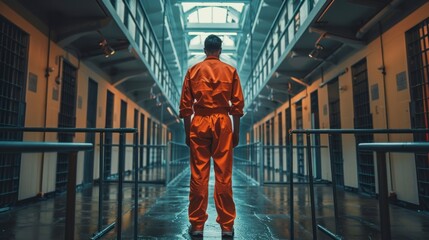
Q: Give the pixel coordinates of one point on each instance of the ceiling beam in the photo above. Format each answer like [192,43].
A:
[70,33]
[200,48]
[377,4]
[338,35]
[126,75]
[213,27]
[214,1]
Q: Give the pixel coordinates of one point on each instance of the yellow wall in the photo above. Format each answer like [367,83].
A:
[38,171]
[402,165]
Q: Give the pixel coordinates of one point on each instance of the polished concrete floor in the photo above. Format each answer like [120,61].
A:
[262,213]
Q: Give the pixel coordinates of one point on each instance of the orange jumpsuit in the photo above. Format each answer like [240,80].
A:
[211,90]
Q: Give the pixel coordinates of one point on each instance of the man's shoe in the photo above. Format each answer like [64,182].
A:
[228,234]
[195,232]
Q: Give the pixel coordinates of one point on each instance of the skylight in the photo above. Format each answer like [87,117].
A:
[220,18]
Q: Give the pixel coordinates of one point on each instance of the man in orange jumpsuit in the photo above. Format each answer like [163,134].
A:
[211,90]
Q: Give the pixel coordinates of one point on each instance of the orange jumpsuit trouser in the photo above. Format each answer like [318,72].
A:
[211,136]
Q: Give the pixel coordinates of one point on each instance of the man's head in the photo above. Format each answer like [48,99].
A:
[212,45]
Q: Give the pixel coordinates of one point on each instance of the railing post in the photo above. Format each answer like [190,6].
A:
[291,209]
[136,185]
[334,184]
[101,183]
[310,179]
[167,164]
[261,163]
[382,196]
[121,166]
[71,196]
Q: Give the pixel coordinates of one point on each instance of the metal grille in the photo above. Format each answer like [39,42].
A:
[13,69]
[123,123]
[153,140]
[288,118]
[316,138]
[300,138]
[281,136]
[148,141]
[91,121]
[110,98]
[335,143]
[66,118]
[363,120]
[417,40]
[136,137]
[142,131]
[267,143]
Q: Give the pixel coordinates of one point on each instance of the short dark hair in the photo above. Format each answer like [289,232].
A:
[212,43]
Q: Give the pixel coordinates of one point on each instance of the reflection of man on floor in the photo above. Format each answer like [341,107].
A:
[211,91]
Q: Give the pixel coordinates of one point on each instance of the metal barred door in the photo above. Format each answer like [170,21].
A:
[108,137]
[66,118]
[288,120]
[315,123]
[91,122]
[335,143]
[148,142]
[300,138]
[363,120]
[142,131]
[417,42]
[280,138]
[13,73]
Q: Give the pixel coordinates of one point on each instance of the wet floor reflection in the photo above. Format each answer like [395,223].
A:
[262,213]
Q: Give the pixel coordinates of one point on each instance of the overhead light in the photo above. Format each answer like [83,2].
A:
[158,101]
[170,111]
[215,33]
[316,51]
[107,49]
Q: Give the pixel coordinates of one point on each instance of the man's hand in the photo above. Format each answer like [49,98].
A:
[188,140]
[188,130]
[235,139]
[236,134]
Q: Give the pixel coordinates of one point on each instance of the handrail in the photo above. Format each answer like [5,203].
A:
[331,132]
[295,146]
[20,147]
[395,146]
[72,149]
[248,144]
[121,166]
[381,148]
[358,131]
[81,130]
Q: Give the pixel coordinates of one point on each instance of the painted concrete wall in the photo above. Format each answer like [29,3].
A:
[391,103]
[38,171]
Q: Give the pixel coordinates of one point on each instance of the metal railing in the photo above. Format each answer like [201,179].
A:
[178,161]
[330,133]
[152,171]
[381,149]
[278,41]
[72,149]
[266,164]
[121,169]
[248,161]
[140,31]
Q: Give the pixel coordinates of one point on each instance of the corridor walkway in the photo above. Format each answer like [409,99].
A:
[262,213]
